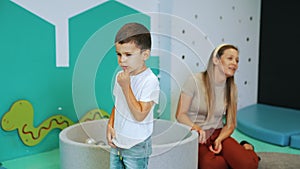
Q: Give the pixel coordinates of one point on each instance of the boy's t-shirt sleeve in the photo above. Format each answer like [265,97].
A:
[150,90]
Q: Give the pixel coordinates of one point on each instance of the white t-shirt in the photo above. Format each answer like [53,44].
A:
[129,132]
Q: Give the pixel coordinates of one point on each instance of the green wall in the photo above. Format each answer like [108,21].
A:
[28,68]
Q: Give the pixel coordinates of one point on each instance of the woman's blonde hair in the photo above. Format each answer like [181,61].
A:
[230,95]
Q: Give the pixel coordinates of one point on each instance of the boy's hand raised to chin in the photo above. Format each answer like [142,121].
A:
[124,78]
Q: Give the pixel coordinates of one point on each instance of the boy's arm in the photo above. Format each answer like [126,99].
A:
[110,132]
[138,109]
[112,118]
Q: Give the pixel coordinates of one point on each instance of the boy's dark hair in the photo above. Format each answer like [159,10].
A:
[134,32]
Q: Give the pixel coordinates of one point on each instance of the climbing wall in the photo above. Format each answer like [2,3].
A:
[201,25]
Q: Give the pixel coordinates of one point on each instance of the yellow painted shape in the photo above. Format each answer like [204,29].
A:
[20,117]
[94,114]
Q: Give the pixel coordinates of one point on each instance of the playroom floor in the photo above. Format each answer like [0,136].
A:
[50,159]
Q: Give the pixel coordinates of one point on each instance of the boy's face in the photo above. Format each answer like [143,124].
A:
[131,58]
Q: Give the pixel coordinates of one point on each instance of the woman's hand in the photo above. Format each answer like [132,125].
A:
[202,134]
[217,147]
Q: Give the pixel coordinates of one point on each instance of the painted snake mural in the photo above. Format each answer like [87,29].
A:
[20,117]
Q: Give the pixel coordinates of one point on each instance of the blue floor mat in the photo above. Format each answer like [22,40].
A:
[269,123]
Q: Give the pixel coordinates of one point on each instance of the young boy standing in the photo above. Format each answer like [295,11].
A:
[136,91]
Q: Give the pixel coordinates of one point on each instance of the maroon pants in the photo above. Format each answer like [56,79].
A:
[232,156]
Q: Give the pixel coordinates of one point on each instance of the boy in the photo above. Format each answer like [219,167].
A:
[136,91]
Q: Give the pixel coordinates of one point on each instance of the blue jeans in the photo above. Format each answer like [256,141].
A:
[136,157]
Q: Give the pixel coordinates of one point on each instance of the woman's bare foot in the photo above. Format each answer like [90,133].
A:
[247,145]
